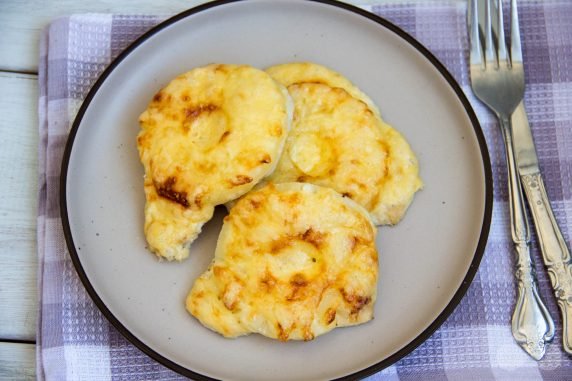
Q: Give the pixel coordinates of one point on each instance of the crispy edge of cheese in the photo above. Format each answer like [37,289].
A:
[169,228]
[309,72]
[403,169]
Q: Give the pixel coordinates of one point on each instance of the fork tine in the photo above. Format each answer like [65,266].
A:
[515,48]
[501,43]
[476,54]
[490,56]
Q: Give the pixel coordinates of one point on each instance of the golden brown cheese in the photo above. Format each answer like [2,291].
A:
[207,138]
[309,72]
[293,261]
[337,142]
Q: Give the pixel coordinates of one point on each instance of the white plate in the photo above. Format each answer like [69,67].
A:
[426,262]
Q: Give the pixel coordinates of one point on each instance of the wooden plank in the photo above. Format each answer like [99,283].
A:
[22,21]
[17,361]
[18,205]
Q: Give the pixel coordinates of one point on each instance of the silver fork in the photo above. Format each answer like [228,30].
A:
[497,79]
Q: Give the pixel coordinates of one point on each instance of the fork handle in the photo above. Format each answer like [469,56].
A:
[554,251]
[532,325]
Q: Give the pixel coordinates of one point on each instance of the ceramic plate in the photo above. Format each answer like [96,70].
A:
[426,262]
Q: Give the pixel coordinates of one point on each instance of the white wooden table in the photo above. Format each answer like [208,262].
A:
[21,22]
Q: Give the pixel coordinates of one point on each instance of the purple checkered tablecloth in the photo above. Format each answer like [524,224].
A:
[75,341]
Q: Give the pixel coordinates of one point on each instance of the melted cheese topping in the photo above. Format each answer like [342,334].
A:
[207,138]
[337,142]
[308,72]
[293,261]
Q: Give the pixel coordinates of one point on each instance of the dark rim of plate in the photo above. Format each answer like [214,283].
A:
[423,336]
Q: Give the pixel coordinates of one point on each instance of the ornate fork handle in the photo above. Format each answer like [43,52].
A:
[554,250]
[532,326]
